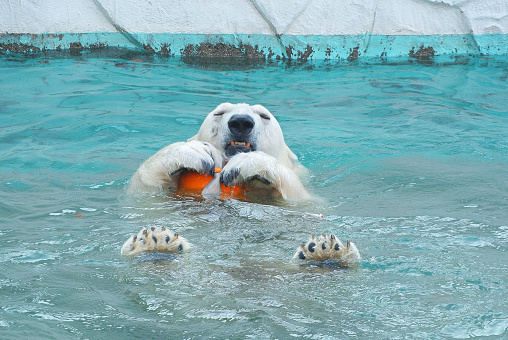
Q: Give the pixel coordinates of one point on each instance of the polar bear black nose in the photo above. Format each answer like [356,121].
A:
[241,125]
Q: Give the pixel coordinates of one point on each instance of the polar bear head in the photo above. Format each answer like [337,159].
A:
[235,128]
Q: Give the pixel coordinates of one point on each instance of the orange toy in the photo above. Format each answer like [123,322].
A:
[194,182]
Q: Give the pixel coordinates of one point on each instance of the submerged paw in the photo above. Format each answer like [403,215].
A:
[328,248]
[155,239]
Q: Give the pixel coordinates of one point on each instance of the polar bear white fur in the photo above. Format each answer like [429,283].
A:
[247,143]
[328,248]
[248,138]
[155,239]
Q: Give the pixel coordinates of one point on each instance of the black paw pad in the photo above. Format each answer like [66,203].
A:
[325,248]
[152,240]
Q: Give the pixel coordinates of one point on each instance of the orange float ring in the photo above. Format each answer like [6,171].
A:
[193,182]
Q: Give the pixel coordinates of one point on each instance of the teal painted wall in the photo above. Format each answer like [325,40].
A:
[269,29]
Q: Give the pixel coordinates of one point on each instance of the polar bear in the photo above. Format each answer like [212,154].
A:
[236,145]
[245,141]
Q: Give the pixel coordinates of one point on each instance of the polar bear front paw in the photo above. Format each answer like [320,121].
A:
[328,248]
[155,239]
[244,167]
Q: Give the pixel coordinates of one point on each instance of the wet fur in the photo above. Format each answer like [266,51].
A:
[270,160]
[265,162]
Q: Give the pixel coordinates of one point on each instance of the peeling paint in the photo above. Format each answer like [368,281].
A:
[18,48]
[305,55]
[354,54]
[289,52]
[423,52]
[76,46]
[270,53]
[165,49]
[266,47]
[223,50]
[271,29]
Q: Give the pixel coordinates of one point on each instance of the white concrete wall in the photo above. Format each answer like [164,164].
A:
[332,28]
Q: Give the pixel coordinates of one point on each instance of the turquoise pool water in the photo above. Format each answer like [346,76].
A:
[410,159]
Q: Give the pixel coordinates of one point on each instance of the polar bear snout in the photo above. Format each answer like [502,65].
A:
[240,127]
[247,137]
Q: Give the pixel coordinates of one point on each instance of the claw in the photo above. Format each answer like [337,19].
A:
[209,168]
[261,179]
[328,247]
[223,179]
[228,177]
[151,239]
[177,171]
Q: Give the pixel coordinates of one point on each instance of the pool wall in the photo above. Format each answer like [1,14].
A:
[289,29]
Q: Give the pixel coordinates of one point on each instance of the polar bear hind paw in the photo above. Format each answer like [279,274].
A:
[329,248]
[155,239]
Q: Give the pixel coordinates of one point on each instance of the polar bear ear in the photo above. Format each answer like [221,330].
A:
[260,109]
[221,109]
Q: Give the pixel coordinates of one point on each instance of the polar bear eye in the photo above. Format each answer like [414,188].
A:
[264,116]
[220,113]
